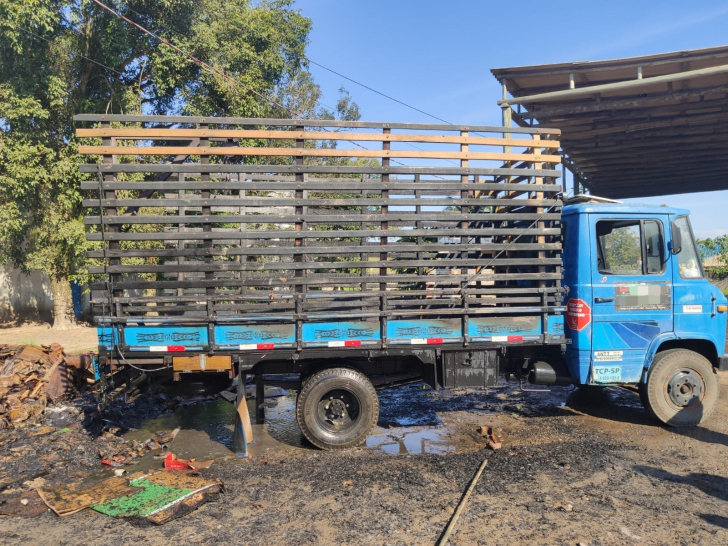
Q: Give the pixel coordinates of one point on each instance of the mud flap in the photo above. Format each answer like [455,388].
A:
[243,431]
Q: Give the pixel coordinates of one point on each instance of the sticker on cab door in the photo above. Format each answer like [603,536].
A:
[608,356]
[607,374]
[692,308]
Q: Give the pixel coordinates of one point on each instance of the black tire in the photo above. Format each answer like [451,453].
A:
[682,389]
[337,408]
[642,390]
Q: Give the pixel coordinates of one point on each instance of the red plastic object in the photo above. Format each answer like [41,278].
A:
[172,463]
[112,464]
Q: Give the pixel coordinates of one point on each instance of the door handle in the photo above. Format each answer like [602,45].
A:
[603,300]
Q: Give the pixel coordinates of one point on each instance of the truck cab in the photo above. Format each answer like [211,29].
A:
[639,309]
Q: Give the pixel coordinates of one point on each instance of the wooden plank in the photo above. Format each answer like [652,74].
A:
[309,152]
[162,134]
[291,202]
[317,218]
[338,184]
[323,234]
[317,169]
[337,280]
[278,122]
[331,250]
[201,267]
[194,363]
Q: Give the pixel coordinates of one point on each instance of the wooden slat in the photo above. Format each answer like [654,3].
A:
[158,133]
[342,184]
[341,280]
[196,168]
[277,122]
[309,152]
[201,267]
[312,202]
[330,250]
[323,234]
[317,218]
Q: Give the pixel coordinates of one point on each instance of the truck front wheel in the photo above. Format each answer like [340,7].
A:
[681,389]
[337,408]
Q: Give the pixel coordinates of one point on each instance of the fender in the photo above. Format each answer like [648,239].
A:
[669,336]
[655,344]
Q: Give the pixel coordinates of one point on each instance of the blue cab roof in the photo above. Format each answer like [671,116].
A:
[621,208]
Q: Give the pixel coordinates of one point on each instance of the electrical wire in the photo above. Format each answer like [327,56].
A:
[353,81]
[213,70]
[70,52]
[200,62]
[379,92]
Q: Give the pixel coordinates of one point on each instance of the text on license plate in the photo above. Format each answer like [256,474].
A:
[607,374]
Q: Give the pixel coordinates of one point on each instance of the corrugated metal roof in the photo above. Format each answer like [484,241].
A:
[665,133]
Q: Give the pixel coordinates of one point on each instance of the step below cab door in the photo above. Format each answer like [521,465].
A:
[632,289]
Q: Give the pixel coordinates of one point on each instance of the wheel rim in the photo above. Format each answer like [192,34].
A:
[338,410]
[685,388]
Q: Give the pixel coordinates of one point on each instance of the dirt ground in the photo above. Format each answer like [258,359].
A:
[577,467]
[77,340]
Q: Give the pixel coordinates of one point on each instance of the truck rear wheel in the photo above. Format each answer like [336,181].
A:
[681,389]
[337,408]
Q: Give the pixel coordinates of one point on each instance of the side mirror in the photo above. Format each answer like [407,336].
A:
[676,243]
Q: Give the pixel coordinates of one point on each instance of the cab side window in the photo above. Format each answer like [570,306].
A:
[630,247]
[654,247]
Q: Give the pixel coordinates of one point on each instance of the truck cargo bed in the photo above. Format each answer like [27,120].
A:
[226,235]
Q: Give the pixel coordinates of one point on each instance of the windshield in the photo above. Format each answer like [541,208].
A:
[687,259]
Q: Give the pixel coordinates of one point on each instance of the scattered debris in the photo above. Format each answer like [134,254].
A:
[629,534]
[488,433]
[229,396]
[24,477]
[461,505]
[69,499]
[30,378]
[27,504]
[162,496]
[171,462]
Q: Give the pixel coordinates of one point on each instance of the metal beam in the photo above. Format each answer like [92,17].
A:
[569,94]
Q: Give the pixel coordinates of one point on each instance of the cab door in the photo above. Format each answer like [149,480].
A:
[632,286]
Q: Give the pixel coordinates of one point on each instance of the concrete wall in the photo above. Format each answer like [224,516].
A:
[25,297]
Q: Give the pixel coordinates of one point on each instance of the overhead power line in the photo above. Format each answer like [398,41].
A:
[70,52]
[203,64]
[212,69]
[379,92]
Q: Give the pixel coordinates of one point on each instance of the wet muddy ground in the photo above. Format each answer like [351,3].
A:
[576,467]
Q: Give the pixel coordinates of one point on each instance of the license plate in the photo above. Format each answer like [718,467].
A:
[607,374]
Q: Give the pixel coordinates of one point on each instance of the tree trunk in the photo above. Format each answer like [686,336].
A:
[63,316]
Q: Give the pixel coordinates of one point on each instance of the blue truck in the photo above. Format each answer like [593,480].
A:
[254,250]
[640,309]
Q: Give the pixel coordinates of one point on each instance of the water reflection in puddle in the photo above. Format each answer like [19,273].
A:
[209,428]
[412,440]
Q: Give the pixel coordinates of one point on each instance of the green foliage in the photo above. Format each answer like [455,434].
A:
[622,250]
[42,86]
[717,247]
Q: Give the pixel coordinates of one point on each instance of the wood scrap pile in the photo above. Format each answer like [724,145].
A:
[30,378]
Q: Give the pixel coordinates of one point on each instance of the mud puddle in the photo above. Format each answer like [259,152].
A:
[407,425]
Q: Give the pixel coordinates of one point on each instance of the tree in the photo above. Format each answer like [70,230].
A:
[59,58]
[717,247]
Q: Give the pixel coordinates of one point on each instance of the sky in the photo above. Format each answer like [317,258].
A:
[437,55]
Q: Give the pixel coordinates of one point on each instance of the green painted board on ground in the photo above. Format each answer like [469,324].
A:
[151,498]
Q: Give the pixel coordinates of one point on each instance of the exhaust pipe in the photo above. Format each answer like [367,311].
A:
[546,373]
